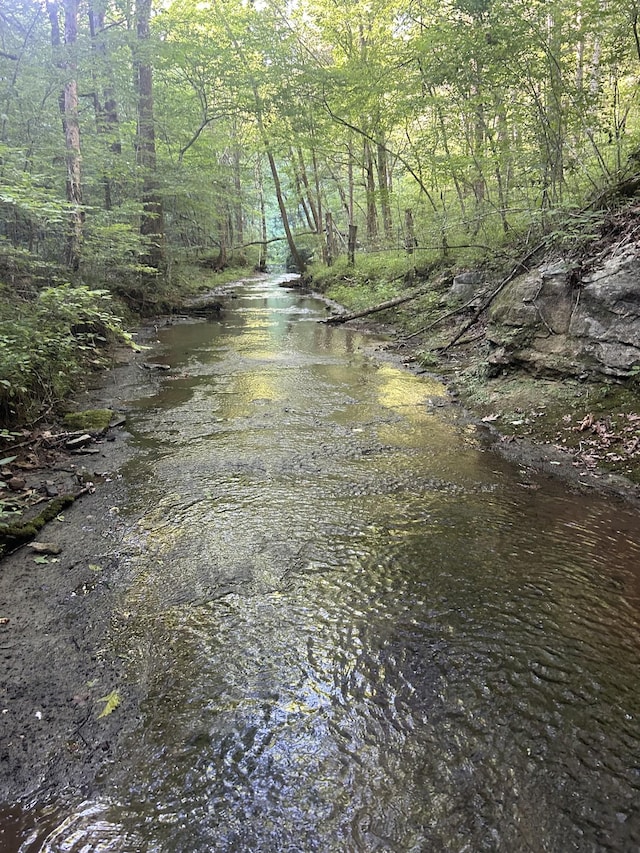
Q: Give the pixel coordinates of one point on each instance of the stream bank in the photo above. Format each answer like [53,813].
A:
[67,598]
[545,353]
[328,615]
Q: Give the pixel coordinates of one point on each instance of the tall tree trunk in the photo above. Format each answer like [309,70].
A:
[332,251]
[152,220]
[238,217]
[106,111]
[370,185]
[353,228]
[68,101]
[262,257]
[554,113]
[383,185]
[295,254]
[324,246]
[410,242]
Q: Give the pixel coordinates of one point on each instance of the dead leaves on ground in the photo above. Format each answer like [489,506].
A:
[26,457]
[613,439]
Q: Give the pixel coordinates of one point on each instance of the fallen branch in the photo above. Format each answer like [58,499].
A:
[442,317]
[466,341]
[12,536]
[382,306]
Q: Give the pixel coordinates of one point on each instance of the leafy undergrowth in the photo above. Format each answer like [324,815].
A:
[49,343]
[192,280]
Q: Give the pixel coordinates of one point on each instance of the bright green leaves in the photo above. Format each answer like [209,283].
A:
[46,343]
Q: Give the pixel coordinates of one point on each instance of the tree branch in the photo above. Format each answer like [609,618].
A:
[377,142]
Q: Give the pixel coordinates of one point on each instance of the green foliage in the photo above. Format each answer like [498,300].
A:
[369,267]
[48,343]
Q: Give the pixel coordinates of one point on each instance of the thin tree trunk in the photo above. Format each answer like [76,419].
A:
[332,251]
[410,242]
[106,114]
[313,204]
[152,220]
[353,228]
[262,257]
[295,254]
[383,184]
[237,184]
[298,169]
[70,123]
[370,184]
[353,240]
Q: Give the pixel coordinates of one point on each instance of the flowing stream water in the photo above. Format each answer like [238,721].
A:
[355,627]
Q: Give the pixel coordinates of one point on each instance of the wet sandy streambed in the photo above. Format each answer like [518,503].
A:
[353,627]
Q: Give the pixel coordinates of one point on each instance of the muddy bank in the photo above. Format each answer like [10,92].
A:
[55,615]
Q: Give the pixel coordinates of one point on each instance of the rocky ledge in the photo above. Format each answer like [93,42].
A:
[563,318]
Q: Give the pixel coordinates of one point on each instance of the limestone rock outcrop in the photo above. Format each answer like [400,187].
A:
[560,319]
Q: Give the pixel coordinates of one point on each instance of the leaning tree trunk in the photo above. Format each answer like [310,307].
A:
[68,101]
[152,219]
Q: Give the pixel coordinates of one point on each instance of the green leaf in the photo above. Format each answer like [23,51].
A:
[7,459]
[113,700]
[40,560]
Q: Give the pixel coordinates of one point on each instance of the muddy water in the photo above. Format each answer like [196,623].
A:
[353,627]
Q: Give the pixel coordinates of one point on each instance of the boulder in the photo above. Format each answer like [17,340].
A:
[555,320]
[466,286]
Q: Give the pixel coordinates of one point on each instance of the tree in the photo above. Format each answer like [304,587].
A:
[69,109]
[152,219]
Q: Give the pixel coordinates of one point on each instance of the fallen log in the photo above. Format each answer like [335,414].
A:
[382,306]
[15,534]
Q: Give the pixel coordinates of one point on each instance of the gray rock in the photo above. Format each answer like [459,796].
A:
[551,322]
[466,285]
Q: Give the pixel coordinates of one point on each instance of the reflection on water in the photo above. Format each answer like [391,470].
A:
[355,629]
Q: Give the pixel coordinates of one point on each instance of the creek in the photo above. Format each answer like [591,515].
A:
[353,625]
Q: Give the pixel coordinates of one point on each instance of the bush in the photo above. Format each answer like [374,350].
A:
[47,343]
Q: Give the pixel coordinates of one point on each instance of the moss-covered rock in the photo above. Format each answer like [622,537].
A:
[91,420]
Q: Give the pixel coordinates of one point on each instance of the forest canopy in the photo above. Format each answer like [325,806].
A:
[138,134]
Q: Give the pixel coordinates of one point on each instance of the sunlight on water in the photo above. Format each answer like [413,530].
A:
[355,630]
